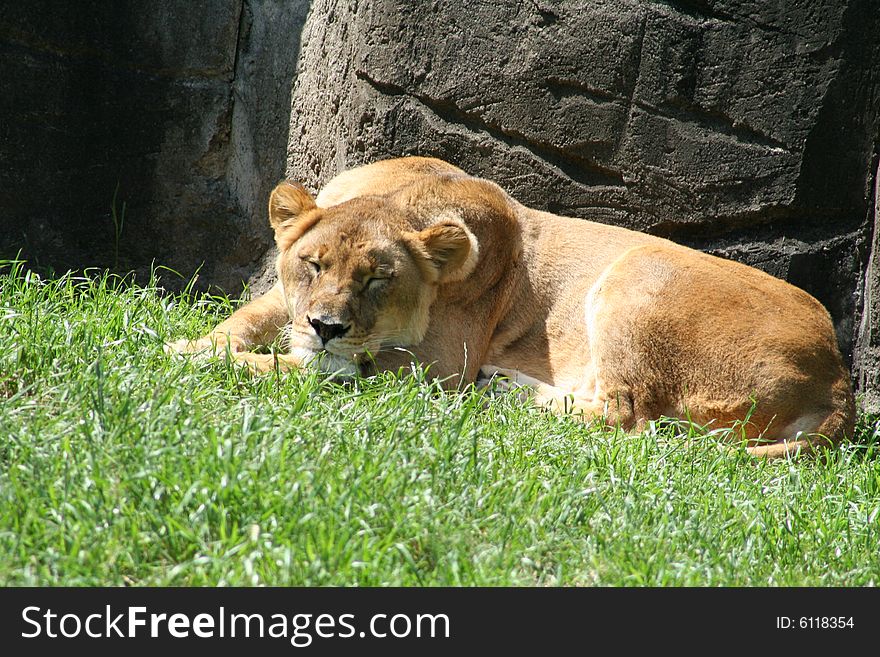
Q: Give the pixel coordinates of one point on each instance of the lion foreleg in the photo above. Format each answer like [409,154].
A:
[615,410]
[257,323]
[262,363]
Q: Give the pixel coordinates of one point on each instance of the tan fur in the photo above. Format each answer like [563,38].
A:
[592,319]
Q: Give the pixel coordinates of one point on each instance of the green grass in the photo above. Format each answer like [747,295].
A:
[120,465]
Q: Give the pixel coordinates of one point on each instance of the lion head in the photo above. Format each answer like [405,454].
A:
[360,277]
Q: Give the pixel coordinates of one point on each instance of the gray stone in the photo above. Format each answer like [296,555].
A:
[866,363]
[177,110]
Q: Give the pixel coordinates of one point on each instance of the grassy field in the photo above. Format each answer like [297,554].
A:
[120,465]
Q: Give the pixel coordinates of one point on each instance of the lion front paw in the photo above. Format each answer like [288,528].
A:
[501,380]
[209,345]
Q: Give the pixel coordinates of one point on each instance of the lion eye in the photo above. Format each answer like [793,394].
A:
[374,282]
[314,265]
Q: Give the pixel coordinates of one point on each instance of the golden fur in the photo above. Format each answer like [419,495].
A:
[412,258]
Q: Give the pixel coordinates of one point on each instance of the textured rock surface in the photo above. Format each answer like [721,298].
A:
[746,128]
[866,361]
[178,110]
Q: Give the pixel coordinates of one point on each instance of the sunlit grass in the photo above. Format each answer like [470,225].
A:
[121,465]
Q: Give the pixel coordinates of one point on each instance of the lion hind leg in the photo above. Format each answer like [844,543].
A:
[808,433]
[782,448]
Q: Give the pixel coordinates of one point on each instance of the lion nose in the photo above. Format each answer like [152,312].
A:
[327,330]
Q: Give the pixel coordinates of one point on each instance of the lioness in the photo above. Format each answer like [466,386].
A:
[412,258]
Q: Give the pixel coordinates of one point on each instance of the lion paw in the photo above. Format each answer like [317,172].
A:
[502,381]
[210,345]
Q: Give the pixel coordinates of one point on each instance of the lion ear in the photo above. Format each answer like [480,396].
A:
[447,251]
[290,212]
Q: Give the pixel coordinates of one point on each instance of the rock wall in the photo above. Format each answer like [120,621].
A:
[866,359]
[177,110]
